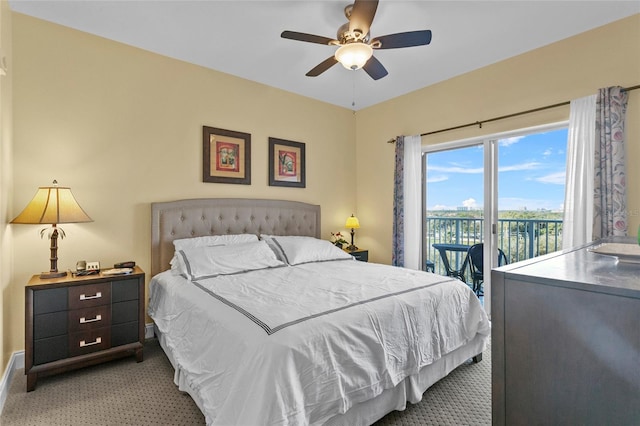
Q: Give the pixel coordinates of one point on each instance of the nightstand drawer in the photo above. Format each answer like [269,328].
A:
[51,349]
[121,334]
[361,255]
[124,290]
[50,300]
[49,325]
[124,312]
[89,318]
[85,296]
[85,342]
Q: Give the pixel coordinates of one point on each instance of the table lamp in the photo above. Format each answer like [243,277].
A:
[353,223]
[53,205]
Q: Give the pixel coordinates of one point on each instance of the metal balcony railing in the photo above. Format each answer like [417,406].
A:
[519,238]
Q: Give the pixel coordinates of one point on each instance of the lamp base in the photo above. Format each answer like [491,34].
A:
[53,274]
[351,248]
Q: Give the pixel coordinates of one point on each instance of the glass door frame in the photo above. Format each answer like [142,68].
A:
[489,144]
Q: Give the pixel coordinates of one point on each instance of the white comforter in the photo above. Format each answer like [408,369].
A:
[298,344]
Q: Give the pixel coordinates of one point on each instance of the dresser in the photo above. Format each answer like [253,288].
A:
[566,340]
[73,322]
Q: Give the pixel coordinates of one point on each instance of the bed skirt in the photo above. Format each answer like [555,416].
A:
[365,413]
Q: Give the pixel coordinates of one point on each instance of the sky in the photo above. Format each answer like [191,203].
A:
[531,174]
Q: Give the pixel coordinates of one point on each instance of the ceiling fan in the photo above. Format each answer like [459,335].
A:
[356,45]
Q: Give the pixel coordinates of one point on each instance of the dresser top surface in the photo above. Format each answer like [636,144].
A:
[86,279]
[581,267]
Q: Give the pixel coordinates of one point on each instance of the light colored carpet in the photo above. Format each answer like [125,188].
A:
[124,392]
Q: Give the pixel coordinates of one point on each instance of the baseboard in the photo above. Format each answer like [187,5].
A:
[16,362]
[148,331]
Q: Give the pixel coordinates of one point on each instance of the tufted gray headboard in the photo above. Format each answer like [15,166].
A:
[216,216]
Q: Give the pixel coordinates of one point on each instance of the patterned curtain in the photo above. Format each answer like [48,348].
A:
[397,244]
[610,195]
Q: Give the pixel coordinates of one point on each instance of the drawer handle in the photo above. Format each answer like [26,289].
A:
[83,320]
[97,296]
[97,341]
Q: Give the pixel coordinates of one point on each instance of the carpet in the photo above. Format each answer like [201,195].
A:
[124,392]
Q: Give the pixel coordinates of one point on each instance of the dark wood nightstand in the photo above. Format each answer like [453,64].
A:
[361,255]
[73,322]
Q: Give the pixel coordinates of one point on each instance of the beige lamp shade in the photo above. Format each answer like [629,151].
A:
[52,205]
[352,222]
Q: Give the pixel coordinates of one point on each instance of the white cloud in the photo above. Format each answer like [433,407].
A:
[435,179]
[455,169]
[440,207]
[512,203]
[470,203]
[510,141]
[532,165]
[557,178]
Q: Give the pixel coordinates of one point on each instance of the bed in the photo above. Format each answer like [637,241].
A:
[288,329]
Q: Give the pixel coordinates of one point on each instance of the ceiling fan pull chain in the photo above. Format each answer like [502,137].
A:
[353,97]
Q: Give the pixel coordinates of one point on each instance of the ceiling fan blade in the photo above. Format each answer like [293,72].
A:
[310,38]
[375,69]
[362,15]
[408,39]
[322,67]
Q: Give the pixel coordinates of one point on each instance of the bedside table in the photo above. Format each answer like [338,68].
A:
[361,255]
[73,322]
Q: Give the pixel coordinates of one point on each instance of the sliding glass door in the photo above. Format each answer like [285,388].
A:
[454,206]
[505,191]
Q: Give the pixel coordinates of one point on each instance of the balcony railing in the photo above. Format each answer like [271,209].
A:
[519,238]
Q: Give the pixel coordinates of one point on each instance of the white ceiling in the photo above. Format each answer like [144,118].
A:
[243,37]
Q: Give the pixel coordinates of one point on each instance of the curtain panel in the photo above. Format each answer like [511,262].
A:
[397,243]
[610,193]
[595,193]
[577,221]
[406,203]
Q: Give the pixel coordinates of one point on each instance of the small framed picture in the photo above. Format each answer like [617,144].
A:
[226,156]
[286,163]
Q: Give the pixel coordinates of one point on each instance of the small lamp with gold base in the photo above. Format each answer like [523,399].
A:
[53,205]
[353,223]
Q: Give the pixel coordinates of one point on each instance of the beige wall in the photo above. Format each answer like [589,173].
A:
[6,301]
[560,72]
[122,127]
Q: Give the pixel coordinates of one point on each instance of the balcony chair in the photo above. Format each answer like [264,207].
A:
[430,266]
[475,257]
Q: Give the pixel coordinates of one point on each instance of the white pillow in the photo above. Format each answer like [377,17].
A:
[296,250]
[214,240]
[211,261]
[207,240]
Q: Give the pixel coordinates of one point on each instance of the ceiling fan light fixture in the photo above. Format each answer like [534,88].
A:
[353,56]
